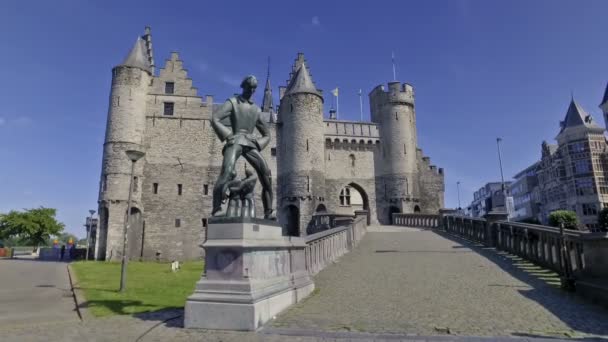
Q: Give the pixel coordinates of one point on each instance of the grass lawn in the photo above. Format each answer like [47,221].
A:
[151,286]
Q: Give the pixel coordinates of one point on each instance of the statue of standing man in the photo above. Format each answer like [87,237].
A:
[242,115]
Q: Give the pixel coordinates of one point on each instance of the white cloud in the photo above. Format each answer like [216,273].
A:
[22,121]
[230,80]
[315,21]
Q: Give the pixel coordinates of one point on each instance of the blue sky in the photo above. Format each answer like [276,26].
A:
[480,69]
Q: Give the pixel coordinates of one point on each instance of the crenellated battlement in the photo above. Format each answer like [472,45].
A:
[398,93]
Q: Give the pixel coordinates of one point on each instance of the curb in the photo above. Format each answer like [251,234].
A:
[79,298]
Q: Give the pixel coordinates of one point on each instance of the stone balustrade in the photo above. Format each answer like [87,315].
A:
[324,221]
[416,220]
[327,246]
[579,257]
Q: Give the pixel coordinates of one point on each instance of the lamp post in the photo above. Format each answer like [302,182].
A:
[133,156]
[502,177]
[458,189]
[89,227]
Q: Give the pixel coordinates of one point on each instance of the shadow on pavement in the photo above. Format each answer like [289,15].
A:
[578,313]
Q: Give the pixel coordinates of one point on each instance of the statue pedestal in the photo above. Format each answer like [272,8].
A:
[252,273]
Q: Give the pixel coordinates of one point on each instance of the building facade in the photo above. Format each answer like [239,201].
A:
[318,164]
[573,173]
[489,197]
[526,194]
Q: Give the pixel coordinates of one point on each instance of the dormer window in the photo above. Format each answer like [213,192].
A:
[169,87]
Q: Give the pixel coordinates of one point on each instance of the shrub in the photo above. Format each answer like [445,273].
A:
[531,220]
[567,217]
[602,219]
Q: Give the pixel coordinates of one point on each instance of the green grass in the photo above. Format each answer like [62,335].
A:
[151,286]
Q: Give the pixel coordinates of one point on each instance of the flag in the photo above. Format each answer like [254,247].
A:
[335,92]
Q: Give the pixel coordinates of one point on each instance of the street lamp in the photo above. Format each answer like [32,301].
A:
[89,227]
[133,156]
[502,177]
[458,188]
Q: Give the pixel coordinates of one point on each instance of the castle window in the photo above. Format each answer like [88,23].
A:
[352,160]
[179,189]
[104,185]
[169,87]
[155,188]
[135,184]
[178,223]
[206,189]
[396,117]
[168,108]
[345,196]
[273,151]
[306,145]
[404,152]
[204,222]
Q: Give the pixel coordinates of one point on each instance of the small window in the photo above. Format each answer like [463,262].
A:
[206,189]
[155,188]
[135,184]
[273,151]
[104,186]
[169,87]
[179,189]
[204,221]
[168,108]
[178,223]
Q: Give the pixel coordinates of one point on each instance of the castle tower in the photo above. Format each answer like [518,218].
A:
[300,157]
[125,131]
[396,163]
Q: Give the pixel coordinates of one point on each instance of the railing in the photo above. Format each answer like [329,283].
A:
[327,246]
[541,245]
[325,221]
[416,220]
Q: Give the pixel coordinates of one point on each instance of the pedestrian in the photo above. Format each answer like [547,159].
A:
[62,252]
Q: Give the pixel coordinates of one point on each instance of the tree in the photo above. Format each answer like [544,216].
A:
[64,238]
[602,219]
[567,217]
[31,226]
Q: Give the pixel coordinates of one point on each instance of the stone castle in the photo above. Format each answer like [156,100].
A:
[318,164]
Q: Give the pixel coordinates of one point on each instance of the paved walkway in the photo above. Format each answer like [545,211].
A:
[400,284]
[412,281]
[35,292]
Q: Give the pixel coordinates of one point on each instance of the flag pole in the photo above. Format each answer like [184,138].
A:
[361,104]
[394,69]
[335,92]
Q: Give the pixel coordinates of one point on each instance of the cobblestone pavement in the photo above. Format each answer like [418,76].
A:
[403,280]
[167,326]
[400,284]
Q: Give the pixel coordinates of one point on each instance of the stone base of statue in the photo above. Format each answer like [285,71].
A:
[252,273]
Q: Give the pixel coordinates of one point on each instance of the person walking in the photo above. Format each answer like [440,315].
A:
[62,252]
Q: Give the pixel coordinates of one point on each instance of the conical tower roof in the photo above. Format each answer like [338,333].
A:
[301,83]
[267,103]
[576,116]
[138,57]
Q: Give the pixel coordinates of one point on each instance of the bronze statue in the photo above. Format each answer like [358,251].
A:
[242,115]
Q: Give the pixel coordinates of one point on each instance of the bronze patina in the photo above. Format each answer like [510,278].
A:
[234,122]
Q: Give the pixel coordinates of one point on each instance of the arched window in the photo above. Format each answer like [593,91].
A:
[352,160]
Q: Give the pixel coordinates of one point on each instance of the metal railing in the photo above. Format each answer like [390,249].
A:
[327,246]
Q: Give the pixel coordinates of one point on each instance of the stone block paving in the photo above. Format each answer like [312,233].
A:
[412,281]
[400,284]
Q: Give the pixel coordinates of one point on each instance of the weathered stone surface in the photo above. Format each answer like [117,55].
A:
[311,160]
